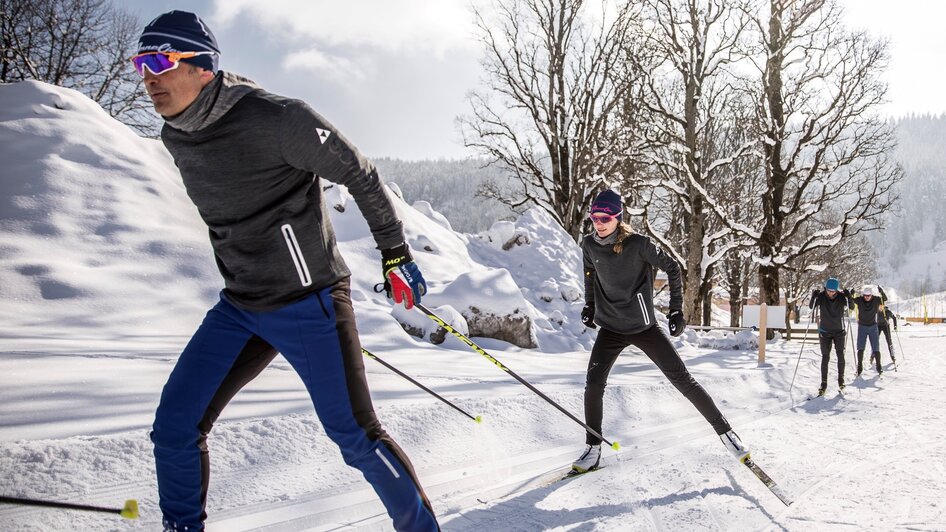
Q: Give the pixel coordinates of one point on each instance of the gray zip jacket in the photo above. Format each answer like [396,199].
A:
[620,285]
[249,160]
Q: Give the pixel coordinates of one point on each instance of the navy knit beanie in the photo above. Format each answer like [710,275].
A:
[832,284]
[608,202]
[180,31]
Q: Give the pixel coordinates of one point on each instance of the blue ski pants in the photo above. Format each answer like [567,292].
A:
[865,332]
[318,336]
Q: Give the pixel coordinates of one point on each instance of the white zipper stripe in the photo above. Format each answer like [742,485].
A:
[296,254]
[640,300]
[387,463]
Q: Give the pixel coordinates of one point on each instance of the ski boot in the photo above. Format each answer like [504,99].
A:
[589,460]
[841,386]
[876,357]
[734,444]
[824,386]
[860,362]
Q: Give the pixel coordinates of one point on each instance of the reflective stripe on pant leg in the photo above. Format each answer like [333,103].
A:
[323,348]
[195,379]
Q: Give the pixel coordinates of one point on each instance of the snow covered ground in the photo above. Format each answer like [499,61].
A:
[106,270]
[75,428]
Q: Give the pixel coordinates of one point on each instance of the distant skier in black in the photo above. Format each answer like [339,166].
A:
[884,317]
[831,304]
[867,306]
[619,268]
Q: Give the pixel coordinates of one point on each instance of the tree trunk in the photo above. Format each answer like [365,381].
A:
[707,298]
[694,275]
[694,218]
[735,306]
[733,286]
[775,172]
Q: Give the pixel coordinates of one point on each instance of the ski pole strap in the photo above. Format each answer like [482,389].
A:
[472,345]
[371,355]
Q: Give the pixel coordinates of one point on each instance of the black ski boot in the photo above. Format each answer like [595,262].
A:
[840,385]
[876,357]
[860,362]
[824,386]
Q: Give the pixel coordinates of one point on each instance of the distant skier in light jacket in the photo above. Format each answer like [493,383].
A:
[619,269]
[831,306]
[867,307]
[884,317]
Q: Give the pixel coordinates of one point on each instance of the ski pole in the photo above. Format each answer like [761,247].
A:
[811,317]
[369,354]
[853,348]
[890,347]
[896,331]
[129,511]
[472,345]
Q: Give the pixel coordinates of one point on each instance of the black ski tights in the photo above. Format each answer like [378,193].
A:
[827,340]
[655,344]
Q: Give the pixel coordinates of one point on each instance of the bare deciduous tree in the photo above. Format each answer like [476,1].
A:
[826,149]
[851,260]
[554,70]
[78,44]
[697,137]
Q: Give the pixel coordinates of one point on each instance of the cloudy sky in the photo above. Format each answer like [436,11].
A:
[394,75]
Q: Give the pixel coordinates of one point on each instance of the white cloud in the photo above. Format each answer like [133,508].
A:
[406,25]
[331,67]
[916,41]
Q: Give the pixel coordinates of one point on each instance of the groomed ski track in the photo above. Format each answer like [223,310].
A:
[872,459]
[704,478]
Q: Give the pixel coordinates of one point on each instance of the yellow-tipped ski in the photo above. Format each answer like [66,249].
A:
[130,511]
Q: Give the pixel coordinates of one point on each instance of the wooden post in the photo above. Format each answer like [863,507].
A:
[762,332]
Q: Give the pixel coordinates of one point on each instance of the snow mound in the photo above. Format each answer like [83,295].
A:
[95,227]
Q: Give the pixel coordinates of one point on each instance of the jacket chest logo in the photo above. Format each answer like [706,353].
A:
[323,134]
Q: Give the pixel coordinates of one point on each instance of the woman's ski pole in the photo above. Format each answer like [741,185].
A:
[369,354]
[472,345]
[129,511]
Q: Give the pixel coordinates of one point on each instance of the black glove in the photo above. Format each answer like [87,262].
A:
[403,281]
[847,292]
[677,322]
[588,316]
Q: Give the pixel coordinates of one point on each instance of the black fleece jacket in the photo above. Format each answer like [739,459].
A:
[620,285]
[253,175]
